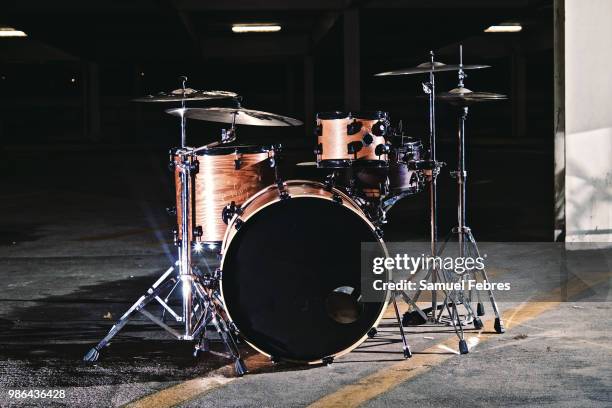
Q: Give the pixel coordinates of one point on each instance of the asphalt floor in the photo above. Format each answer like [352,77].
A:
[76,251]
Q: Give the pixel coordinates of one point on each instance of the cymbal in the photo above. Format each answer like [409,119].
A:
[464,96]
[187,94]
[430,67]
[242,116]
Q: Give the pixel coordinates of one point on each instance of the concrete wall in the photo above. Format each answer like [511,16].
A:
[588,120]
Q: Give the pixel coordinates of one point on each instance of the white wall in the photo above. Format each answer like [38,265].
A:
[588,120]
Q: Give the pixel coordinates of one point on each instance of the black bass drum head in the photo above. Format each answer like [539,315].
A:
[292,279]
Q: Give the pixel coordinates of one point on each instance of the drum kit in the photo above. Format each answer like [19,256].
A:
[289,277]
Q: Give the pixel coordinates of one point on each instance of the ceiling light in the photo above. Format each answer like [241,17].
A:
[11,32]
[255,28]
[509,28]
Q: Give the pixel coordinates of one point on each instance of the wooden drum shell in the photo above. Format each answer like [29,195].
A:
[224,175]
[333,140]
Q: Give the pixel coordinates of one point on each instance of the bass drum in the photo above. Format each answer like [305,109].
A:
[291,272]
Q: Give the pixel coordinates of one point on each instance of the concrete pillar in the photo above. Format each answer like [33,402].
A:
[559,119]
[352,61]
[91,101]
[588,122]
[309,95]
[519,92]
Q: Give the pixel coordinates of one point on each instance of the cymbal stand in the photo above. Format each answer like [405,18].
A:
[201,304]
[182,111]
[433,274]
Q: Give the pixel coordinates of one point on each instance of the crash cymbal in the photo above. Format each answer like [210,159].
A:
[187,94]
[238,116]
[430,67]
[464,96]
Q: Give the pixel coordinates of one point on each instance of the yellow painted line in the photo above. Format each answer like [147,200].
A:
[368,387]
[353,395]
[383,380]
[190,389]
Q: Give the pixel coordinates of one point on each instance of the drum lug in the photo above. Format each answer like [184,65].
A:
[238,223]
[171,211]
[328,360]
[353,128]
[379,232]
[381,149]
[229,211]
[282,193]
[337,199]
[354,147]
[197,231]
[194,167]
[380,128]
[330,181]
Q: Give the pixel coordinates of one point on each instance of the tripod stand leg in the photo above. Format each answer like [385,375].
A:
[202,343]
[224,330]
[94,353]
[405,346]
[499,324]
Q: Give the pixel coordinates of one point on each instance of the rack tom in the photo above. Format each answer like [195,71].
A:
[345,139]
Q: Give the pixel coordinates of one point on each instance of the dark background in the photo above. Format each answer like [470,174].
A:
[67,123]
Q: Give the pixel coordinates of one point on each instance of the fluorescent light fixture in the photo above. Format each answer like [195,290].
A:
[508,28]
[256,28]
[11,32]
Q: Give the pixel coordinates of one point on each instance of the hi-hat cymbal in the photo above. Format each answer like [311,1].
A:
[430,67]
[187,94]
[464,96]
[239,116]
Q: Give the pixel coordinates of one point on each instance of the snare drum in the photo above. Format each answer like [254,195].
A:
[346,139]
[224,174]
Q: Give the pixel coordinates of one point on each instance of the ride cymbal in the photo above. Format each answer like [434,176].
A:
[238,116]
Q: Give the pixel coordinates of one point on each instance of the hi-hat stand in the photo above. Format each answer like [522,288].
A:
[201,303]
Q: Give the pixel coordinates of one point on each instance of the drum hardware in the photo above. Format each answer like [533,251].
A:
[460,97]
[201,305]
[431,168]
[429,88]
[466,240]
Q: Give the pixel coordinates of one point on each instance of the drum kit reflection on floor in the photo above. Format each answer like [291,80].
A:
[290,267]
